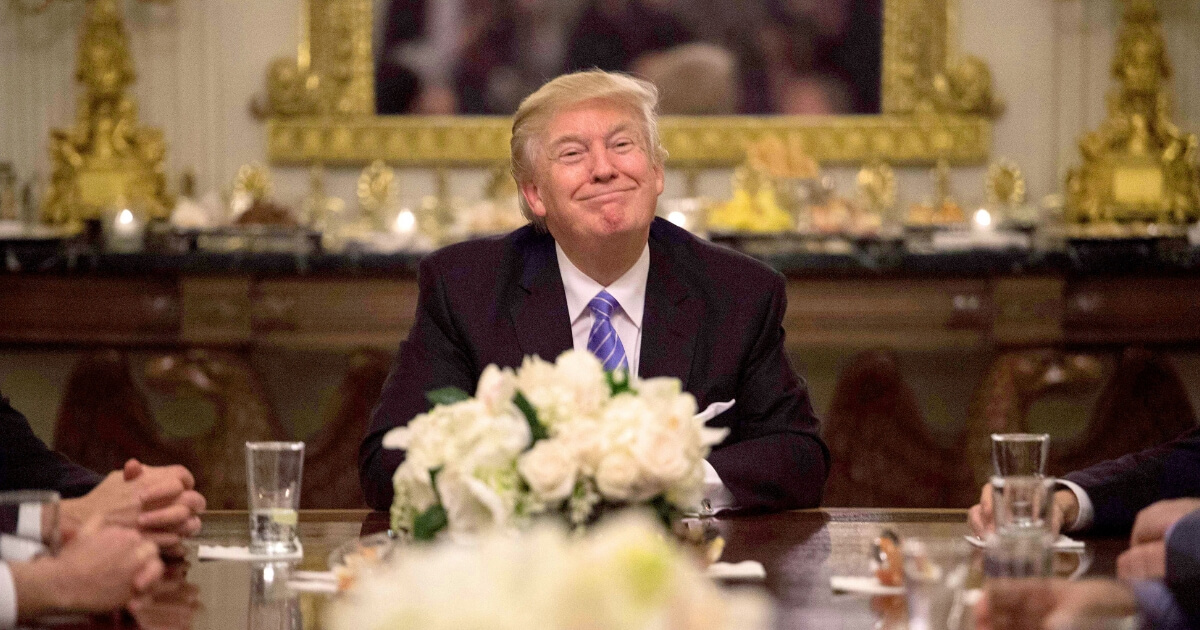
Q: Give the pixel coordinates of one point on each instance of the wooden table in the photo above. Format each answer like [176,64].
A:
[800,551]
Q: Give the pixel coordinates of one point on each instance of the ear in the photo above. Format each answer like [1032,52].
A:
[534,198]
[658,178]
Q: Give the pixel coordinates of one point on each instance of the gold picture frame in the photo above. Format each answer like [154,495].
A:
[937,105]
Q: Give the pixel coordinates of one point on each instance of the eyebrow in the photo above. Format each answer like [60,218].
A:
[561,140]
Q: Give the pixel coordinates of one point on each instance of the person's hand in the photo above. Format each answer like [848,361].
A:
[1047,604]
[102,568]
[982,516]
[1146,558]
[170,604]
[160,501]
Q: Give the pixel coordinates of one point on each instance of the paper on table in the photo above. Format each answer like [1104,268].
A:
[745,570]
[1062,543]
[867,585]
[243,554]
[313,582]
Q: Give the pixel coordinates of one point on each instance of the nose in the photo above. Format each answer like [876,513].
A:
[602,168]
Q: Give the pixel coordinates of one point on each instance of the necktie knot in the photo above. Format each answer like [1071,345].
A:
[603,304]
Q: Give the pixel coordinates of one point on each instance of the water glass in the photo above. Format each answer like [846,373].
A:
[935,578]
[273,606]
[28,524]
[1022,502]
[1020,454]
[273,473]
[1019,553]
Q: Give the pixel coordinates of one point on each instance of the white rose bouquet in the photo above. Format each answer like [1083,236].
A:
[623,576]
[565,438]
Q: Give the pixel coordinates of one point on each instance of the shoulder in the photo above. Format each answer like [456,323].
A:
[705,264]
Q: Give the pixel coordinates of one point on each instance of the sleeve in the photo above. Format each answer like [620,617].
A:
[1183,564]
[775,458]
[8,599]
[1158,606]
[431,357]
[27,463]
[1120,488]
[1087,513]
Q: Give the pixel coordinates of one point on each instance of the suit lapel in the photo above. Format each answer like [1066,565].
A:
[539,312]
[671,319]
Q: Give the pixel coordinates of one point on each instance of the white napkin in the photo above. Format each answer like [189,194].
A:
[745,570]
[1062,543]
[867,585]
[243,554]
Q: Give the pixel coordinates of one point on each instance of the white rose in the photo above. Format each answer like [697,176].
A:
[471,505]
[397,439]
[586,440]
[549,468]
[496,388]
[617,476]
[661,454]
[583,375]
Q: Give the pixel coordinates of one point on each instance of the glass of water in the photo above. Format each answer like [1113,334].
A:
[1020,454]
[935,579]
[1022,502]
[273,473]
[1019,553]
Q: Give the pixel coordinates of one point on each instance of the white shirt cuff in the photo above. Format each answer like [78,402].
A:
[715,492]
[1087,513]
[16,549]
[29,521]
[8,599]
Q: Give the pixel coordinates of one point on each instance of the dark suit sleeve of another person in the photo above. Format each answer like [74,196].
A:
[1120,488]
[774,458]
[431,358]
[1183,565]
[27,464]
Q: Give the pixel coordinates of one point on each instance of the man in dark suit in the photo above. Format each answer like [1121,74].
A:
[589,165]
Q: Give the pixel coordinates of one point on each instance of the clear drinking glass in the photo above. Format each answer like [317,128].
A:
[935,577]
[1019,553]
[1022,502]
[273,606]
[1020,454]
[34,517]
[273,473]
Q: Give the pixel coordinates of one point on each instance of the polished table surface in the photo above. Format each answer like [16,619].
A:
[800,551]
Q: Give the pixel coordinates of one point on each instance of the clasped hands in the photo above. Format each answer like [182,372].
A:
[160,502]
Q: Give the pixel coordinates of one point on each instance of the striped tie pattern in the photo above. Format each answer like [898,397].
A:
[603,340]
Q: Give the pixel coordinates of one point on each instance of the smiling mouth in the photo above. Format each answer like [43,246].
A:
[607,194]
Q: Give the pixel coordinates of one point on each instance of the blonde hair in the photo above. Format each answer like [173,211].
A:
[536,111]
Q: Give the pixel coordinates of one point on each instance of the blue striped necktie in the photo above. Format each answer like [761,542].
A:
[603,340]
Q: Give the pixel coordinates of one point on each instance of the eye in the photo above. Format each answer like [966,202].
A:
[623,144]
[570,155]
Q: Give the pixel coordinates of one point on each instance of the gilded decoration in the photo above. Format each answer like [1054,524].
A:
[1139,174]
[106,158]
[936,104]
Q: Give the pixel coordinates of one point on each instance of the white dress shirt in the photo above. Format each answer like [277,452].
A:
[630,293]
[1087,513]
[8,599]
[23,546]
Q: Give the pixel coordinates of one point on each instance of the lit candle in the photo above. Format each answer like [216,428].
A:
[126,232]
[405,223]
[982,220]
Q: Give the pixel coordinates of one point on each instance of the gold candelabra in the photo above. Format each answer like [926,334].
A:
[1139,174]
[106,158]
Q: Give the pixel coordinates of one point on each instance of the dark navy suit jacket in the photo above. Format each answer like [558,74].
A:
[26,463]
[1120,488]
[712,318]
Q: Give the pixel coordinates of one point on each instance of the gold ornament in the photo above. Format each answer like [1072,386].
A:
[877,186]
[377,191]
[106,158]
[1138,169]
[1005,183]
[319,208]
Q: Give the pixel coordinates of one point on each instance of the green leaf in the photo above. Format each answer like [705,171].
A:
[618,382]
[537,430]
[666,512]
[446,396]
[430,522]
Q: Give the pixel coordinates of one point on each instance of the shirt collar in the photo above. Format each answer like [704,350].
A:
[629,289]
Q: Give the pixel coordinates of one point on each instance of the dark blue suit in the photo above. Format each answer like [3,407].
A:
[1120,488]
[26,463]
[712,318]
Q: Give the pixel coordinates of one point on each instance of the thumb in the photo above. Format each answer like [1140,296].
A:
[133,469]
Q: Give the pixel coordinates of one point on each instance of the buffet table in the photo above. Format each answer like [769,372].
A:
[799,550]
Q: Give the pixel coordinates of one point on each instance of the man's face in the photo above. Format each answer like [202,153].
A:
[593,178]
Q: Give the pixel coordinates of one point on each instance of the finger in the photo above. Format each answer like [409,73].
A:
[148,574]
[975,518]
[170,517]
[173,552]
[985,500]
[184,475]
[195,501]
[163,539]
[191,527]
[160,492]
[132,470]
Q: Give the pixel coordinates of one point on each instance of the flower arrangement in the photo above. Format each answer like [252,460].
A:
[563,438]
[624,575]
